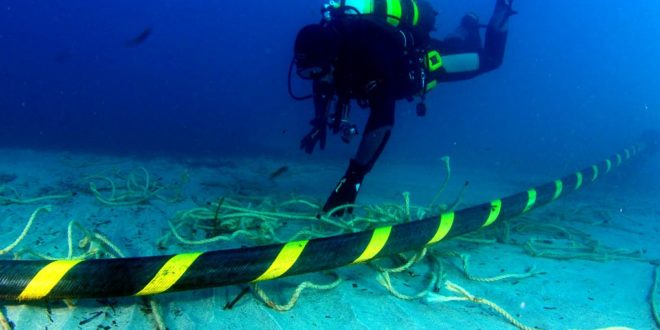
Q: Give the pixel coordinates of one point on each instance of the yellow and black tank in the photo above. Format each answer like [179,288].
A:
[398,13]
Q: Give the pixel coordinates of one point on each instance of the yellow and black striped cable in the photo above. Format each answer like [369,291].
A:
[30,280]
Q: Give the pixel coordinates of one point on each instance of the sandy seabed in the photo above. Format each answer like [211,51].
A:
[576,293]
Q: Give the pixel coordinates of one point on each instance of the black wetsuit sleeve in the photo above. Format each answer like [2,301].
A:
[323,92]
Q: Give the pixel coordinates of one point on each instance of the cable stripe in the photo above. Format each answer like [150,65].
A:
[495,208]
[595,169]
[46,279]
[559,186]
[284,260]
[618,160]
[444,226]
[169,274]
[531,200]
[608,166]
[377,242]
[578,179]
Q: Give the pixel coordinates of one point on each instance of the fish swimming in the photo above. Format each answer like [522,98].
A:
[141,38]
[278,172]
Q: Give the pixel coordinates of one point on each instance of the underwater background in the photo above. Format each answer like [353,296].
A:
[196,93]
[579,78]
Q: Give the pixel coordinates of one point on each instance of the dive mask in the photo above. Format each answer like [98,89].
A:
[306,70]
[314,51]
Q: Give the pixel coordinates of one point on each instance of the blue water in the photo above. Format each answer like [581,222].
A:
[579,81]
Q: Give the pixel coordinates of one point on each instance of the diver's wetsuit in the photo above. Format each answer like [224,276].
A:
[370,66]
[463,55]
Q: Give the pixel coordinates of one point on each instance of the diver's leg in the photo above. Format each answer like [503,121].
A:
[497,31]
[372,145]
[375,137]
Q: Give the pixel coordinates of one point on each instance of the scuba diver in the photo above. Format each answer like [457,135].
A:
[377,52]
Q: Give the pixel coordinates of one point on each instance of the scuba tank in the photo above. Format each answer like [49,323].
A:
[398,13]
[411,21]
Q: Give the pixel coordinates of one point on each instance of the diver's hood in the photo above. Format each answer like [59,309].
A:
[314,50]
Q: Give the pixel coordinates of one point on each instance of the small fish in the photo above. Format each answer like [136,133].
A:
[278,172]
[142,37]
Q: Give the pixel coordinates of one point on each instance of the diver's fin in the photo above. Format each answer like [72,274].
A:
[503,10]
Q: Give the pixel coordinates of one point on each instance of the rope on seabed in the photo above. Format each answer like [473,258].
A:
[465,260]
[158,318]
[25,229]
[140,188]
[228,219]
[4,323]
[466,296]
[17,199]
[385,280]
[261,294]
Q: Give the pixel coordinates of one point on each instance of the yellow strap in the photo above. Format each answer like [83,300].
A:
[495,208]
[169,274]
[578,179]
[363,7]
[377,242]
[369,6]
[46,279]
[431,85]
[394,12]
[415,13]
[559,186]
[595,169]
[444,226]
[433,60]
[284,260]
[531,200]
[608,166]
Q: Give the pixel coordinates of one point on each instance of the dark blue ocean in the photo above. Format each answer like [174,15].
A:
[208,79]
[579,81]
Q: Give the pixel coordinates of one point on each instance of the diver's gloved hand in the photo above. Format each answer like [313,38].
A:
[347,189]
[316,135]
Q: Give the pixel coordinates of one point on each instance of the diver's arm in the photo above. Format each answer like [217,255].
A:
[323,91]
[461,66]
